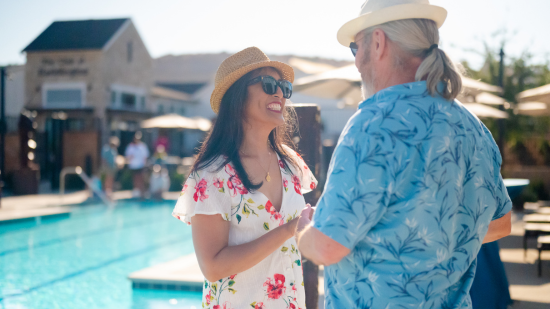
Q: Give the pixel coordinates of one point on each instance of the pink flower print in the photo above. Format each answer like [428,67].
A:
[208,297]
[200,191]
[276,286]
[312,186]
[218,183]
[184,189]
[274,213]
[234,183]
[296,182]
[226,305]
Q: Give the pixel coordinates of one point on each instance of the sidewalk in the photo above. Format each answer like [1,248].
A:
[41,205]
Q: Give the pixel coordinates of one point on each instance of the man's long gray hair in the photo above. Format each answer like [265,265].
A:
[415,37]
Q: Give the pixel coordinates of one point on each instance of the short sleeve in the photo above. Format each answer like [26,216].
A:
[308,181]
[500,193]
[357,189]
[503,202]
[203,193]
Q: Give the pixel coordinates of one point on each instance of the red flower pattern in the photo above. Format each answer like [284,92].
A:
[297,186]
[200,191]
[207,297]
[234,183]
[218,183]
[226,305]
[276,286]
[275,215]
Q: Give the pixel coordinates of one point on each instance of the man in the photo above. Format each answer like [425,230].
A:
[414,186]
[136,155]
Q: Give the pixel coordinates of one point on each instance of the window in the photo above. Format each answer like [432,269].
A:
[113,98]
[130,51]
[142,103]
[64,98]
[128,100]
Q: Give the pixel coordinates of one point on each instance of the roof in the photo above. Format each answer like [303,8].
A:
[188,88]
[76,35]
[166,93]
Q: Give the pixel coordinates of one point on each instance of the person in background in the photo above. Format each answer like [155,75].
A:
[414,186]
[108,163]
[136,155]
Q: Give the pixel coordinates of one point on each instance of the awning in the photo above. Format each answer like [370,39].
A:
[178,122]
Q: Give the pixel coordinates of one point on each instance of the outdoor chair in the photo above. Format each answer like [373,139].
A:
[543,243]
[534,230]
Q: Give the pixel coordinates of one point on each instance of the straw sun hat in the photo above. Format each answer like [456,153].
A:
[377,12]
[237,65]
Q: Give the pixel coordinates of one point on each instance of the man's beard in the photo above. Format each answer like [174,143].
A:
[367,87]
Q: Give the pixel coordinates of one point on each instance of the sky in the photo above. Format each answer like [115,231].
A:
[299,27]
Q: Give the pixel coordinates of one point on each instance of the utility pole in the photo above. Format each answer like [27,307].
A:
[501,122]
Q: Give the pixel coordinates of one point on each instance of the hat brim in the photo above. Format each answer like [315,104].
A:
[349,30]
[220,90]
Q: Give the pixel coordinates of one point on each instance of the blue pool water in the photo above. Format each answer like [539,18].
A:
[83,260]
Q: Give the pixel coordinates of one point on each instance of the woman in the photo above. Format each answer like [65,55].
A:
[243,197]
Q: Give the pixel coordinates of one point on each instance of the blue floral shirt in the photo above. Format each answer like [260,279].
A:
[413,185]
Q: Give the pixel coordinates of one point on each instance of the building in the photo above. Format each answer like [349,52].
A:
[85,80]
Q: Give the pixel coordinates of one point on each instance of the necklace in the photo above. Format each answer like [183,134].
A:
[267,177]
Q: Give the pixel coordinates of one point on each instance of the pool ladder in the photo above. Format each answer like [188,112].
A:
[78,171]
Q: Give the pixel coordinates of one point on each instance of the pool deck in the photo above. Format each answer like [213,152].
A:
[527,290]
[180,274]
[14,208]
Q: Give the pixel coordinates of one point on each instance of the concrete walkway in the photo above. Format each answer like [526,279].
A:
[43,205]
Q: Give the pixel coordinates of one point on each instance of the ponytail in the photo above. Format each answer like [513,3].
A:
[419,38]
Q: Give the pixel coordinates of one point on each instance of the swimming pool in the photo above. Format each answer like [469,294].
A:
[83,260]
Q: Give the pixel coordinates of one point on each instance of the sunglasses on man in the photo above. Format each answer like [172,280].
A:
[353,48]
[270,84]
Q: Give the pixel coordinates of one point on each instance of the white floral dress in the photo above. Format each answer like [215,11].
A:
[277,281]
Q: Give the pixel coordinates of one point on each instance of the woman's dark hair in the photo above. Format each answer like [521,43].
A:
[227,133]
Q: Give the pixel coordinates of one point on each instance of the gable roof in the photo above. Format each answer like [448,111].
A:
[76,35]
[188,88]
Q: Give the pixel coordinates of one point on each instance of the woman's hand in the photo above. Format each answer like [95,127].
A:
[305,218]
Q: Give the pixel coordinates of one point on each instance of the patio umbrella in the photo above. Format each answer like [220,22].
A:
[484,111]
[345,84]
[176,121]
[534,102]
[532,109]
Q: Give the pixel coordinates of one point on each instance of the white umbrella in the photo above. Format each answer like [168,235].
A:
[177,121]
[345,84]
[532,109]
[489,98]
[484,111]
[342,83]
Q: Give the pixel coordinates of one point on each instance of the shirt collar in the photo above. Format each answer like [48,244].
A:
[414,88]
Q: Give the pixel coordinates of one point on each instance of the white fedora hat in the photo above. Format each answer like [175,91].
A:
[376,12]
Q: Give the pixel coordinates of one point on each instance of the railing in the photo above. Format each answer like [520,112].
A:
[78,171]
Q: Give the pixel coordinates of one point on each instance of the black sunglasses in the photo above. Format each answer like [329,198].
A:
[270,84]
[353,48]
